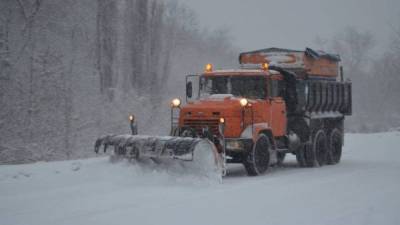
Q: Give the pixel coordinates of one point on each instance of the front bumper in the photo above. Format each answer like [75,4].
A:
[236,149]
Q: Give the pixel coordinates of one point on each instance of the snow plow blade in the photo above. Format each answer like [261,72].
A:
[199,151]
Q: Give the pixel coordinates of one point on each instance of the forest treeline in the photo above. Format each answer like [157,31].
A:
[73,70]
[374,69]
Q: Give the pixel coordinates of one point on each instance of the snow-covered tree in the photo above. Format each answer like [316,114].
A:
[72,70]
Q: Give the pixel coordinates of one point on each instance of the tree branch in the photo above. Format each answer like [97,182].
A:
[21,5]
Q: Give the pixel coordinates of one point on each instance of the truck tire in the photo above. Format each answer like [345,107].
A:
[257,160]
[334,147]
[316,156]
[313,154]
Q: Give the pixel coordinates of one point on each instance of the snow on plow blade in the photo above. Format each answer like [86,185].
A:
[200,154]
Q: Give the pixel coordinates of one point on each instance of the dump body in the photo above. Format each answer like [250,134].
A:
[318,80]
[306,64]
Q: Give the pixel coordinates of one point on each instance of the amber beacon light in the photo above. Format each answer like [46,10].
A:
[208,67]
[265,66]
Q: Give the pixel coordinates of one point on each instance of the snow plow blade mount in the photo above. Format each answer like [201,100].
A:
[200,151]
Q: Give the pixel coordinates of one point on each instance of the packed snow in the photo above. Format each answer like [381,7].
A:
[362,189]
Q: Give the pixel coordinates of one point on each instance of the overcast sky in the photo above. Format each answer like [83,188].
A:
[295,24]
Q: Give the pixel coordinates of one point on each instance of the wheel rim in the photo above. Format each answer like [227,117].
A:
[320,149]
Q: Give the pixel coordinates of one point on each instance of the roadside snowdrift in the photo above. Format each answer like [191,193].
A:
[362,189]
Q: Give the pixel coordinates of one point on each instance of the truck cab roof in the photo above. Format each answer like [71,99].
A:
[242,72]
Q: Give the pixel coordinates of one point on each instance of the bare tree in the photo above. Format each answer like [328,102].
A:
[386,72]
[79,67]
[105,33]
[5,64]
[354,46]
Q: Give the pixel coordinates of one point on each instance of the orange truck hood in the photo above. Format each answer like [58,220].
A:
[210,110]
[213,107]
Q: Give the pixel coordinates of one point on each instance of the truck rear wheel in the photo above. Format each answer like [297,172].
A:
[317,155]
[312,154]
[257,160]
[335,147]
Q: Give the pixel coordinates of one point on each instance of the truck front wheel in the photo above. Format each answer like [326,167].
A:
[257,160]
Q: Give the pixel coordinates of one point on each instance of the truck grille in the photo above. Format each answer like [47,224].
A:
[198,125]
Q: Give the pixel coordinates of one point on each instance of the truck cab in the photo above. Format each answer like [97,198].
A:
[242,98]
[233,108]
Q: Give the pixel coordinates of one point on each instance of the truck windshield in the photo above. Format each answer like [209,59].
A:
[252,87]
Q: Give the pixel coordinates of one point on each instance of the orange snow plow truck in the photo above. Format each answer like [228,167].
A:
[280,101]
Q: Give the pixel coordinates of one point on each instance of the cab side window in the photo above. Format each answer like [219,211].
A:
[277,88]
[273,89]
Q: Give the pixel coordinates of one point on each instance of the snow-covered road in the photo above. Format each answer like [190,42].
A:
[363,189]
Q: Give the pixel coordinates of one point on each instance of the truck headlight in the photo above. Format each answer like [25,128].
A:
[244,102]
[234,145]
[175,103]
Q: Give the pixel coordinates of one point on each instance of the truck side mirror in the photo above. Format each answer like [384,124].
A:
[189,89]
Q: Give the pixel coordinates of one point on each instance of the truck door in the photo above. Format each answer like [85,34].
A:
[278,120]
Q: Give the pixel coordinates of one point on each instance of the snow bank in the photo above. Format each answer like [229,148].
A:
[143,173]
